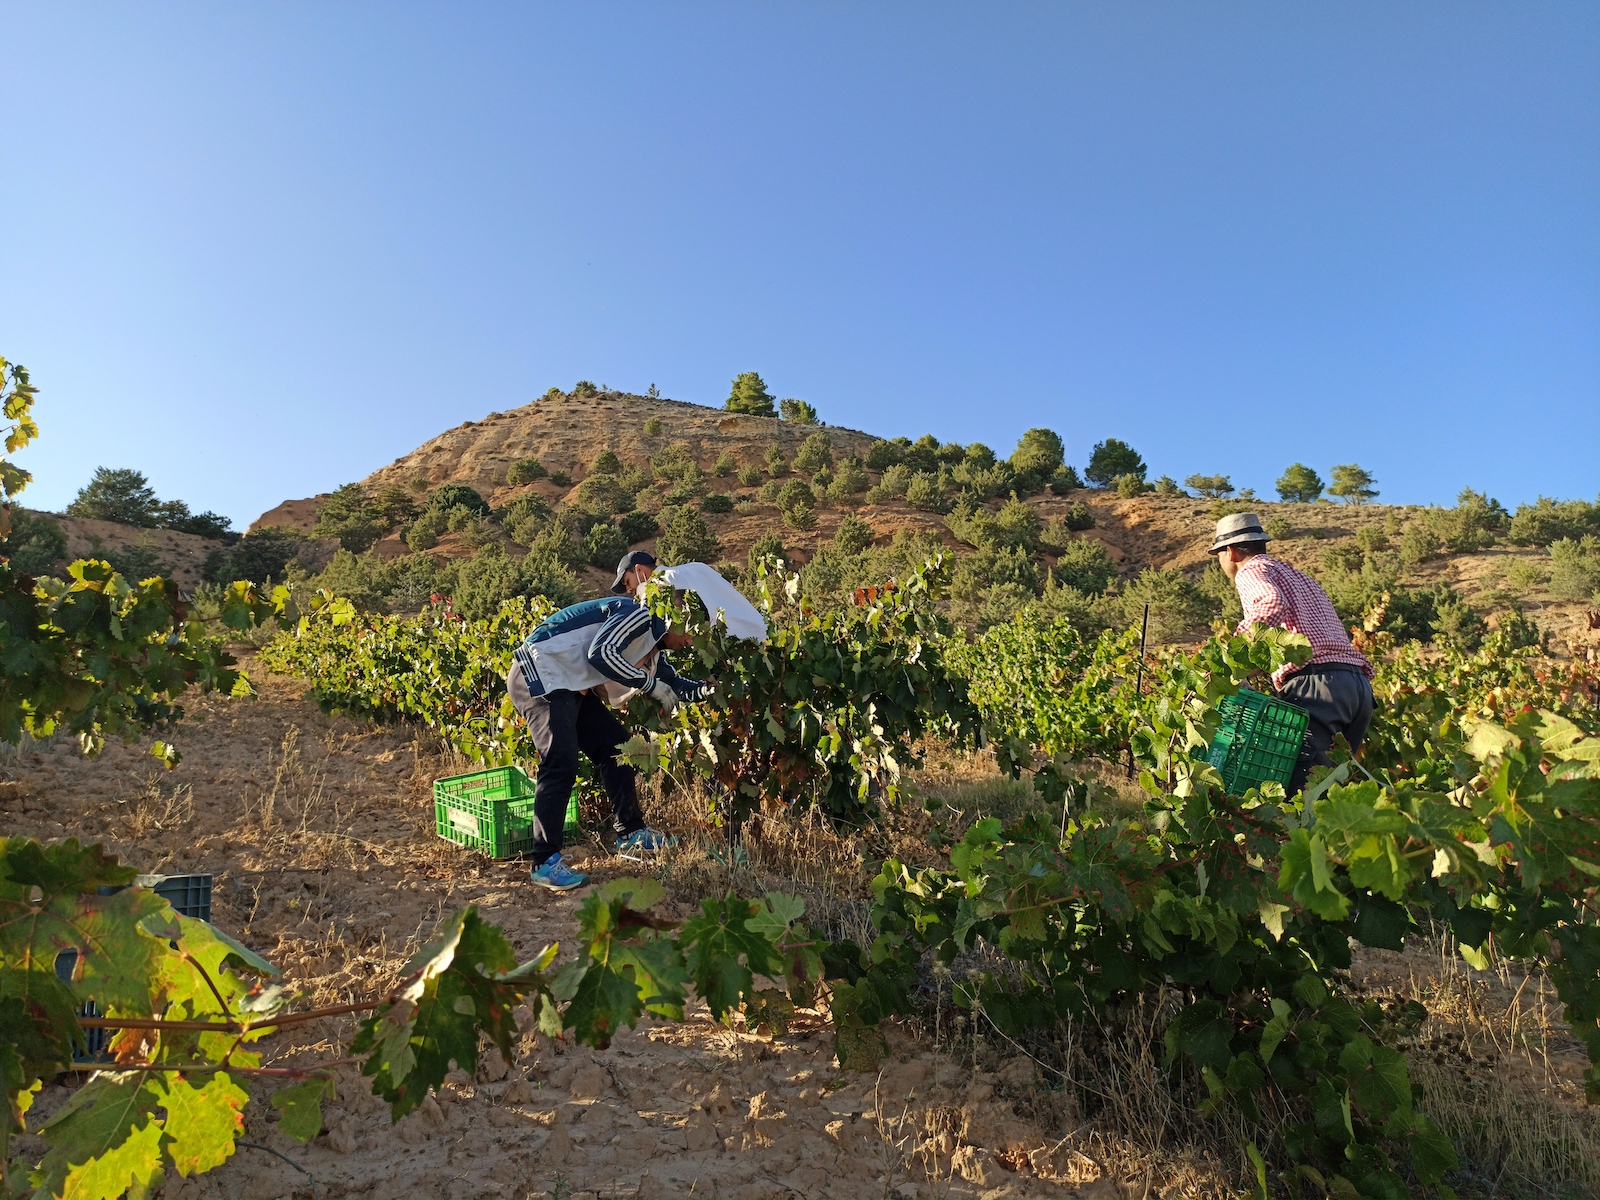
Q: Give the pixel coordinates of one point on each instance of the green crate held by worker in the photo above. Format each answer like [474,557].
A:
[1258,741]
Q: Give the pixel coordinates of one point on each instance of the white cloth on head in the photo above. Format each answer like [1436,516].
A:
[723,601]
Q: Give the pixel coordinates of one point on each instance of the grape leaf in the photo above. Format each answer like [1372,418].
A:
[628,968]
[201,1123]
[102,1142]
[724,953]
[464,980]
[301,1106]
[115,959]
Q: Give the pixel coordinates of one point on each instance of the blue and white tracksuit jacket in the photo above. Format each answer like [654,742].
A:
[597,642]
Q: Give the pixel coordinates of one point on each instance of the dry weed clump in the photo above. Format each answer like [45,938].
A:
[1497,1068]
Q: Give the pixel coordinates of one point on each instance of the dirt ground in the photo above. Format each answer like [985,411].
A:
[318,831]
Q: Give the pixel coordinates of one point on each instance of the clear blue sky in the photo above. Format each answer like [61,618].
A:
[258,250]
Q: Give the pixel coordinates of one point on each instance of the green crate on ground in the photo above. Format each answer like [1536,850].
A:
[491,811]
[1259,740]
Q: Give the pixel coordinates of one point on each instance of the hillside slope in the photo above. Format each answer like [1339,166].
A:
[567,432]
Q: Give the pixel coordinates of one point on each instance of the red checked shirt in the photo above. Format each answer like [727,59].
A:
[1274,593]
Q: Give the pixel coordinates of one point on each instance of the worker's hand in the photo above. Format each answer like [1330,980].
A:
[661,692]
[692,690]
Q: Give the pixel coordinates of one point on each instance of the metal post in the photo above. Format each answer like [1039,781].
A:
[1138,687]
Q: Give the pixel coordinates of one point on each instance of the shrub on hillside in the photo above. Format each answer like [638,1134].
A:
[676,462]
[560,478]
[1371,538]
[716,502]
[1575,568]
[1299,484]
[1278,528]
[585,388]
[605,463]
[848,481]
[927,491]
[815,453]
[1473,524]
[1178,607]
[525,470]
[1110,459]
[853,535]
[795,492]
[800,516]
[1130,485]
[725,465]
[685,537]
[346,516]
[777,464]
[882,455]
[393,506]
[36,545]
[1548,521]
[749,395]
[1212,487]
[638,526]
[797,412]
[751,475]
[260,555]
[491,577]
[1078,517]
[603,493]
[1039,454]
[652,427]
[1084,564]
[456,495]
[1065,479]
[603,545]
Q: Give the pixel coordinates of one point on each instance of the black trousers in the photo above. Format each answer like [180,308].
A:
[1337,700]
[564,723]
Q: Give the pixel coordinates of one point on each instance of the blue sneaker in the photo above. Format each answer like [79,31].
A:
[643,841]
[557,876]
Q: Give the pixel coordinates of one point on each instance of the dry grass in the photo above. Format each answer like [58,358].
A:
[1498,1069]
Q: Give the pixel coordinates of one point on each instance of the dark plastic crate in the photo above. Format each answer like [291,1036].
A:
[491,811]
[1259,740]
[189,895]
[97,1041]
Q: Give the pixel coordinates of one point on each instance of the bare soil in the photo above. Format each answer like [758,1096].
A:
[318,831]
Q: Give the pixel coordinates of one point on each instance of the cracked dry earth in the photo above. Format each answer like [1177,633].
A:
[318,830]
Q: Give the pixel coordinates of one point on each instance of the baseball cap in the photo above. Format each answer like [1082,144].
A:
[630,560]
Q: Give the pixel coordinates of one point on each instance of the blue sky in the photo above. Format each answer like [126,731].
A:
[260,250]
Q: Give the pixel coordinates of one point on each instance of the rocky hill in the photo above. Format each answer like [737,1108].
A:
[566,432]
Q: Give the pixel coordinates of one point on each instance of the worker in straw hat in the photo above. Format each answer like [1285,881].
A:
[1335,686]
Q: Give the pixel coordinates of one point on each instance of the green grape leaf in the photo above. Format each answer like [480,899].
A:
[301,1106]
[115,961]
[458,984]
[103,1141]
[724,953]
[1432,1153]
[201,1123]
[627,969]
[1381,923]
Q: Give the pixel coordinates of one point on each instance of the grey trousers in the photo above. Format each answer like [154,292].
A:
[1337,700]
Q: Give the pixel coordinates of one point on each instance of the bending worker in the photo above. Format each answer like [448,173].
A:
[557,682]
[1335,686]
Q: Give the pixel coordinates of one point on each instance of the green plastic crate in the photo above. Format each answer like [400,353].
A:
[491,811]
[1259,740]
